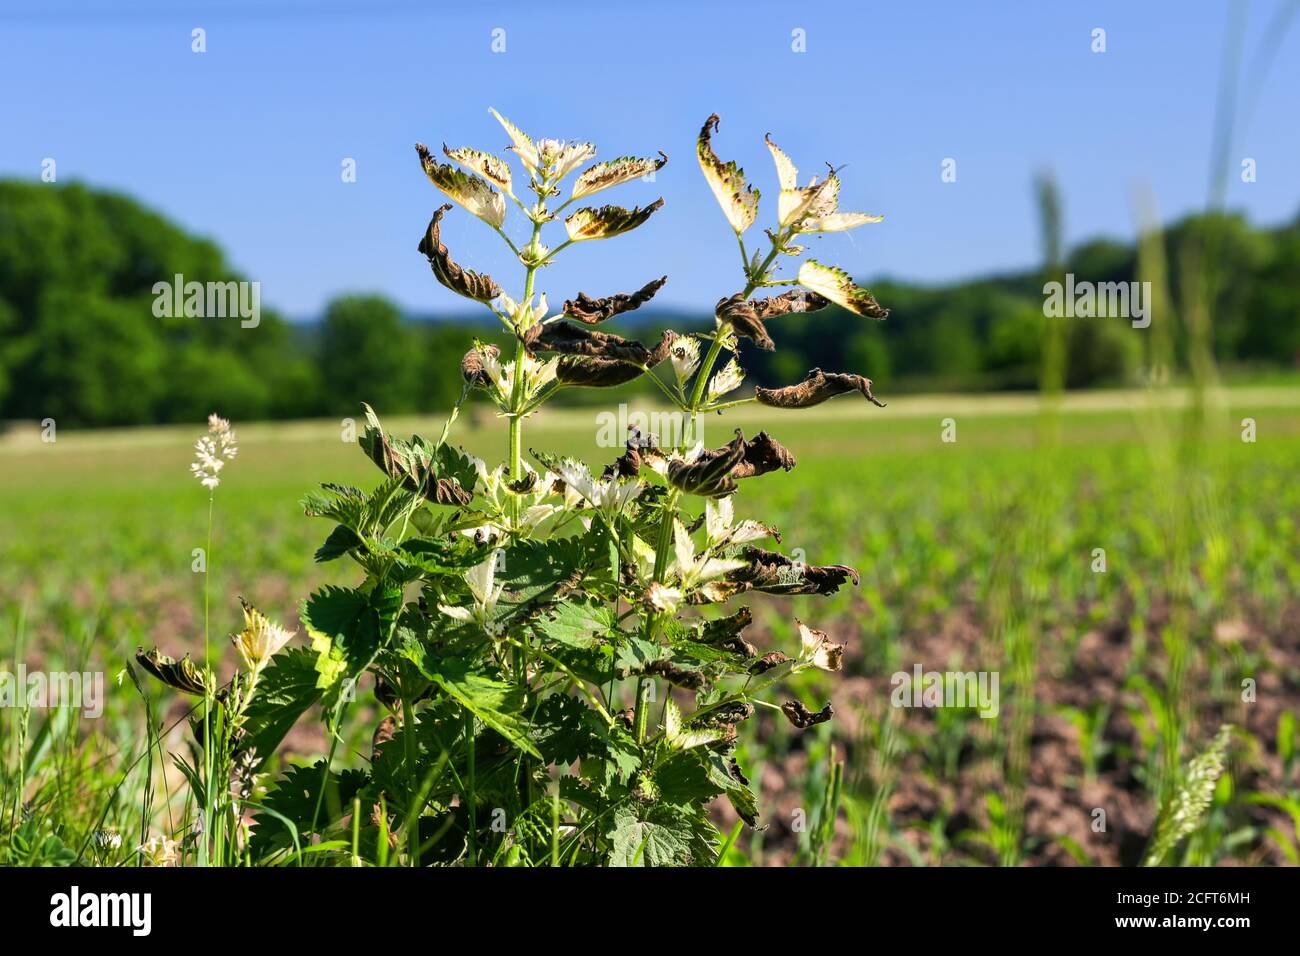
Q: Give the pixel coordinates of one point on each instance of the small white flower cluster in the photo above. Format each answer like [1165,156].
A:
[691,571]
[537,375]
[494,489]
[727,380]
[606,496]
[685,357]
[212,451]
[485,593]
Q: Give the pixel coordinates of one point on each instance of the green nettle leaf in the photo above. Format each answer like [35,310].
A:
[565,729]
[700,775]
[607,221]
[340,541]
[293,798]
[537,574]
[658,835]
[636,654]
[494,701]
[287,688]
[345,632]
[341,503]
[835,284]
[580,625]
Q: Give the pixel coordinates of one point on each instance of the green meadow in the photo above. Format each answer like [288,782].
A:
[1126,562]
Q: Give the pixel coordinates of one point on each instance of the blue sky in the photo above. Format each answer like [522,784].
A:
[244,143]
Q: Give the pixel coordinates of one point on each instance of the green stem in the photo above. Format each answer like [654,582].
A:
[706,367]
[408,739]
[517,397]
[208,699]
[652,622]
[470,796]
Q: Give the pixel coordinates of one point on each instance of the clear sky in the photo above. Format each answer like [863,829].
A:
[244,143]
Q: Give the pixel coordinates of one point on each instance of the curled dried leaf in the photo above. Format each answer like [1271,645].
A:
[709,474]
[472,285]
[802,717]
[590,372]
[566,339]
[741,315]
[767,662]
[724,629]
[414,464]
[774,573]
[835,284]
[713,472]
[181,675]
[796,300]
[675,675]
[817,387]
[592,311]
[472,368]
[728,715]
[763,454]
[607,221]
[524,484]
[614,172]
[637,449]
[733,768]
[738,200]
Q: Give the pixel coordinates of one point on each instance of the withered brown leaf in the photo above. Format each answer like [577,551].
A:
[567,339]
[596,372]
[715,472]
[817,387]
[591,311]
[743,317]
[472,285]
[471,366]
[774,573]
[767,662]
[796,300]
[802,717]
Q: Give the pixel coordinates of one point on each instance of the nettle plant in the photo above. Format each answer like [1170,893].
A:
[560,687]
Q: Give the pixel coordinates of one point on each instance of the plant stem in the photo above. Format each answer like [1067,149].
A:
[706,367]
[205,837]
[652,622]
[408,739]
[473,807]
[517,396]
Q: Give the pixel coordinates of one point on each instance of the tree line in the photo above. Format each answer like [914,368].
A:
[83,341]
